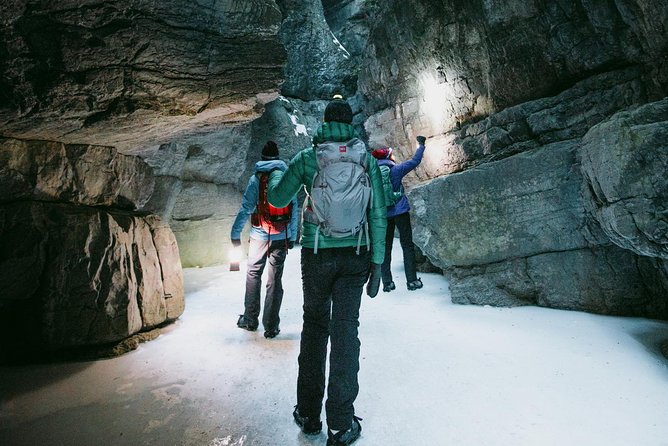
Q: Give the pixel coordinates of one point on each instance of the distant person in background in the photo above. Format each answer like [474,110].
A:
[398,213]
[273,232]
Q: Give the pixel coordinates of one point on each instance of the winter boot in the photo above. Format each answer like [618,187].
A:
[272,333]
[310,426]
[414,285]
[389,287]
[247,323]
[346,437]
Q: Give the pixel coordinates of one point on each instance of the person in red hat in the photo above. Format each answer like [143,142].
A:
[398,213]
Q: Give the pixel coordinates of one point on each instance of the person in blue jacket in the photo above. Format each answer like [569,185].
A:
[265,244]
[398,216]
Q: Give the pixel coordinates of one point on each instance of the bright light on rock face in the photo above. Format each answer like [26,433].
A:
[435,97]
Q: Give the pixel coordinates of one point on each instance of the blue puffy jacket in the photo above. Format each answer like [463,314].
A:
[249,203]
[397,173]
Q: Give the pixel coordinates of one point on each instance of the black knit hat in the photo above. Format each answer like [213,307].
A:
[338,110]
[270,151]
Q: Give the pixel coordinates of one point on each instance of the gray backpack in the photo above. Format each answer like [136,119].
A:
[341,191]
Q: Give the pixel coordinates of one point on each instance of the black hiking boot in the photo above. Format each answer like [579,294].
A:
[389,287]
[310,426]
[414,285]
[270,334]
[247,323]
[343,438]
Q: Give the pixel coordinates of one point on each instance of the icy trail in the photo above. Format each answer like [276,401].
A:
[432,373]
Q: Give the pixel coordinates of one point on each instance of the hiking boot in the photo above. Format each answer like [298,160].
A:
[310,426]
[389,287]
[269,334]
[343,438]
[247,323]
[414,285]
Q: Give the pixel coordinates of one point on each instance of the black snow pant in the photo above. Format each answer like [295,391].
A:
[259,252]
[403,224]
[332,281]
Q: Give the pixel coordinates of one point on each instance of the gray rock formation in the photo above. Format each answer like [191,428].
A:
[79,265]
[133,74]
[318,65]
[625,161]
[439,64]
[519,230]
[514,96]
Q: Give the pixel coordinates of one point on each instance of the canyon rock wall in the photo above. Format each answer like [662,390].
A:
[544,176]
[134,74]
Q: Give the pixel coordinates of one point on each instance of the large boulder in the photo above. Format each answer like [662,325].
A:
[80,264]
[625,162]
[79,174]
[517,232]
[133,74]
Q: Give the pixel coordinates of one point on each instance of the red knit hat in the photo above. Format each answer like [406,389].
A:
[382,153]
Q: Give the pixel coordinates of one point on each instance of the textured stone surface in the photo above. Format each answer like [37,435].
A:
[132,74]
[516,232]
[83,276]
[442,63]
[78,174]
[318,66]
[605,280]
[625,160]
[517,207]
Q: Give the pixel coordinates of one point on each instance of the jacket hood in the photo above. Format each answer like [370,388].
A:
[386,162]
[267,166]
[334,131]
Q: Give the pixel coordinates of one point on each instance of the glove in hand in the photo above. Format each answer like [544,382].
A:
[421,140]
[373,284]
[236,242]
[291,244]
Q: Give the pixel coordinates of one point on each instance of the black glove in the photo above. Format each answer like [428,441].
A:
[421,140]
[236,242]
[373,284]
[291,244]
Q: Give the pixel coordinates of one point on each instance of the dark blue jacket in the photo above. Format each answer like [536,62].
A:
[397,173]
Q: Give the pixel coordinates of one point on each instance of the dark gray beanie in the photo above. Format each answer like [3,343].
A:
[270,151]
[338,110]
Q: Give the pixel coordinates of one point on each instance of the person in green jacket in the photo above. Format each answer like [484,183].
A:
[333,277]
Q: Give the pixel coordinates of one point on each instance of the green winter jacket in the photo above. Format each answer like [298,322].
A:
[283,186]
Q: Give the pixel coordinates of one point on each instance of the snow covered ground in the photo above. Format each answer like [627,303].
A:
[432,373]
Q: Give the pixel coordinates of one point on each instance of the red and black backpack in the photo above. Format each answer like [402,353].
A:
[270,218]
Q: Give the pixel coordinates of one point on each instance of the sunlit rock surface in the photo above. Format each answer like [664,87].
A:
[80,266]
[132,74]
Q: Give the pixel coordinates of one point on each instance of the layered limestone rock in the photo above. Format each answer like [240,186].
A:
[79,265]
[133,74]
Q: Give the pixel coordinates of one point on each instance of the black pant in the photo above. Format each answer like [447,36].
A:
[258,254]
[332,280]
[403,224]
